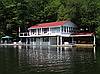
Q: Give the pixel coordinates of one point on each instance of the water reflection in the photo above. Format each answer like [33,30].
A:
[8,60]
[57,59]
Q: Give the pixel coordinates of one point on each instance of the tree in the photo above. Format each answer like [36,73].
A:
[24,13]
[82,12]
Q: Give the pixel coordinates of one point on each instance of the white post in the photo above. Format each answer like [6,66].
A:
[66,29]
[30,32]
[26,41]
[36,31]
[72,39]
[49,30]
[94,53]
[19,30]
[49,41]
[61,40]
[94,40]
[41,41]
[30,41]
[57,40]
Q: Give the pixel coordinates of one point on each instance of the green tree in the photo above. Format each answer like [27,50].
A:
[24,13]
[82,12]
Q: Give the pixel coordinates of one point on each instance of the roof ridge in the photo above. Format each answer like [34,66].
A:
[49,24]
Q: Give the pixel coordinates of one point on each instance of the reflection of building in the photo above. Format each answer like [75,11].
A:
[55,33]
[55,59]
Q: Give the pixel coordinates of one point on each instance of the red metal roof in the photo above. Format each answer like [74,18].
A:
[51,24]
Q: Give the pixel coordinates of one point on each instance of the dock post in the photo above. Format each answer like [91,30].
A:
[36,31]
[72,39]
[26,41]
[49,41]
[94,40]
[30,41]
[57,40]
[94,53]
[40,41]
[68,29]
[61,40]
[19,30]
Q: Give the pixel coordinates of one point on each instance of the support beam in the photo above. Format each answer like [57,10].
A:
[41,31]
[26,41]
[49,41]
[41,41]
[61,40]
[49,30]
[57,40]
[19,30]
[72,40]
[94,53]
[30,41]
[68,29]
[30,32]
[36,31]
[94,40]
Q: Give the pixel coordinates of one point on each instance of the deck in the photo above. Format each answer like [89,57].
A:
[68,45]
[84,45]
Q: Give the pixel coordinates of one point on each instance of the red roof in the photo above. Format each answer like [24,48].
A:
[51,24]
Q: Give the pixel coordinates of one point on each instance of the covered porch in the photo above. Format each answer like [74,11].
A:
[84,38]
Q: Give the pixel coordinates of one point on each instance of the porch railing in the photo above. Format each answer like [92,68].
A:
[26,34]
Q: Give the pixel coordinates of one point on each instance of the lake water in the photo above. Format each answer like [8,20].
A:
[49,60]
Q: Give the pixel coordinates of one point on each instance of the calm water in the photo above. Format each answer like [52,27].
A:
[48,60]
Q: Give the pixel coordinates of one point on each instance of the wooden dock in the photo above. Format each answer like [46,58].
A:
[76,45]
[84,45]
[68,45]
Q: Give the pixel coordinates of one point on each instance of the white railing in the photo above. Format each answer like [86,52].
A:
[26,34]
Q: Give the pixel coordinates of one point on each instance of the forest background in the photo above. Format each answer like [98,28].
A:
[25,13]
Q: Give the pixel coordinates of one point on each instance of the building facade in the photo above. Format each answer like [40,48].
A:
[53,33]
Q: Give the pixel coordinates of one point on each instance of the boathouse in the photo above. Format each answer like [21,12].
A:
[56,33]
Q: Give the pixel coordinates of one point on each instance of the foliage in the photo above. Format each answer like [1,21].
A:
[24,13]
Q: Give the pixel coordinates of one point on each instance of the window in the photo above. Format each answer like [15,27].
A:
[72,29]
[33,31]
[69,29]
[64,28]
[45,30]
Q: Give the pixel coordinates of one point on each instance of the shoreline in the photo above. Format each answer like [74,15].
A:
[68,45]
